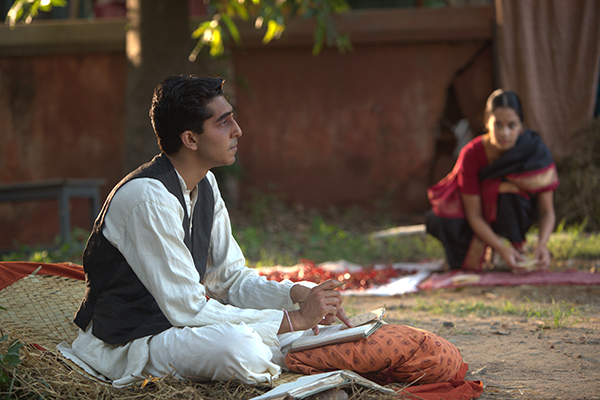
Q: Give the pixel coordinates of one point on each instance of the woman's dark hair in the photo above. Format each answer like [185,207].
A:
[179,104]
[502,98]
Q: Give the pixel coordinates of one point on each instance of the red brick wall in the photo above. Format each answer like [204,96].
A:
[345,130]
[63,116]
[353,129]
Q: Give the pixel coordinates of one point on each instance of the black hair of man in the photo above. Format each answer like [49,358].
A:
[179,103]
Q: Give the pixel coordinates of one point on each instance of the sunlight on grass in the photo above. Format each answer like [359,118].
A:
[565,245]
[571,242]
[465,308]
[554,315]
[69,251]
[324,242]
[275,234]
[558,315]
[319,240]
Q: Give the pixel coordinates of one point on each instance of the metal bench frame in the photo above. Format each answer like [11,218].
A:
[61,189]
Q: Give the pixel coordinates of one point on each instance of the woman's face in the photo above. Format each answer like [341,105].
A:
[504,126]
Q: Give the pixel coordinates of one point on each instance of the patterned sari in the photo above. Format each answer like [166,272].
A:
[509,188]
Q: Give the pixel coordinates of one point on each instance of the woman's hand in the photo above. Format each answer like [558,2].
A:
[472,206]
[542,257]
[512,257]
[546,221]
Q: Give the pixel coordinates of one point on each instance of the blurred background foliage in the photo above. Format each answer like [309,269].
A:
[577,199]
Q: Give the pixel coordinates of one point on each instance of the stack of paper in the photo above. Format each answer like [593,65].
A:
[311,384]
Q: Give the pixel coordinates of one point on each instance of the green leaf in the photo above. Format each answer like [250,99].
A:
[27,9]
[233,30]
[199,32]
[237,9]
[11,358]
[319,39]
[15,13]
[217,48]
[274,30]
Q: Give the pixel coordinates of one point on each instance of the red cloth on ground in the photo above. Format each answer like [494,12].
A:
[12,271]
[455,389]
[452,279]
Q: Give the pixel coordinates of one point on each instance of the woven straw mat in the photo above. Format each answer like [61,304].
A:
[40,308]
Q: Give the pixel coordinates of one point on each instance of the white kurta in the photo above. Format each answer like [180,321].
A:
[233,332]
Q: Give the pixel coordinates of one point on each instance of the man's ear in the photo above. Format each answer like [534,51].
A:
[189,140]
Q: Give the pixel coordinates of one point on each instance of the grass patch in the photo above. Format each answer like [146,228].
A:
[272,233]
[571,242]
[323,241]
[553,315]
[466,308]
[69,251]
[8,361]
[558,315]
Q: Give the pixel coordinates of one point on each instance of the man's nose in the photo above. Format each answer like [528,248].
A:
[237,131]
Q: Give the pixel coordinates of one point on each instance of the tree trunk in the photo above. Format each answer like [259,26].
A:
[158,45]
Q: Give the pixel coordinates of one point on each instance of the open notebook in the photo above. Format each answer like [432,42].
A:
[364,325]
[311,384]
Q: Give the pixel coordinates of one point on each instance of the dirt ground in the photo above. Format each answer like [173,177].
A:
[513,356]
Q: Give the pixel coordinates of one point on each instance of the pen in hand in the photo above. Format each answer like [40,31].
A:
[337,285]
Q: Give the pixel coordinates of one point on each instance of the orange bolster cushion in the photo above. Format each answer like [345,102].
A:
[394,353]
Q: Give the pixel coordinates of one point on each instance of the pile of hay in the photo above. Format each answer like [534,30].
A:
[577,199]
[37,311]
[45,374]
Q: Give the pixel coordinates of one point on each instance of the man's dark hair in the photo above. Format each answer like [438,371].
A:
[502,98]
[179,104]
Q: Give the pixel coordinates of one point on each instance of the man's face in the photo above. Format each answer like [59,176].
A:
[217,145]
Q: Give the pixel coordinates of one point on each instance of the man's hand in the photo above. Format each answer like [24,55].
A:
[320,306]
[298,293]
[330,318]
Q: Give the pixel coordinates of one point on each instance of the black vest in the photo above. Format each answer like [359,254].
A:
[118,303]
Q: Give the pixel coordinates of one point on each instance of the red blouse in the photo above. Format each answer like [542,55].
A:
[471,160]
